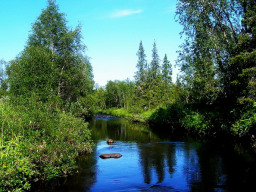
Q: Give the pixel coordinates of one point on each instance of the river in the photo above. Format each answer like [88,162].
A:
[158,162]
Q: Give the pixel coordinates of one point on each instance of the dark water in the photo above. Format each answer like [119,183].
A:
[158,162]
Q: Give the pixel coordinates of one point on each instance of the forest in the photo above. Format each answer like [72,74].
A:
[47,93]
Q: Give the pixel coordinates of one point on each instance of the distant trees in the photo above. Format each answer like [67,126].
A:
[119,94]
[53,62]
[153,88]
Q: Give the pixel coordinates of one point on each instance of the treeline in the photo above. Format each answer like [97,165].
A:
[152,86]
[45,97]
[216,87]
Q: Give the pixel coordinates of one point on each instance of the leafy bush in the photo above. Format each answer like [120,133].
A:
[16,170]
[245,125]
[168,116]
[38,142]
[197,122]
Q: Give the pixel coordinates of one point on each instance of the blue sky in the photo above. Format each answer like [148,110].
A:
[112,30]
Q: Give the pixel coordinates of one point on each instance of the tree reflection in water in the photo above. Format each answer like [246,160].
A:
[154,160]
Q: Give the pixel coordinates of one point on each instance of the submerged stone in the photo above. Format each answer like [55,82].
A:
[110,141]
[111,155]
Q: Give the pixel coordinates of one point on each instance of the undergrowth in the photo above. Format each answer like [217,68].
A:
[38,142]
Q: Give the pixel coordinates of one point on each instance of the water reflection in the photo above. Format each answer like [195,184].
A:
[121,130]
[151,162]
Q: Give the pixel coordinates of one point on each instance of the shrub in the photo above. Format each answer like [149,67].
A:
[38,141]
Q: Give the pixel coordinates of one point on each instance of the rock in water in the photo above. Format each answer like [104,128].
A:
[111,155]
[110,141]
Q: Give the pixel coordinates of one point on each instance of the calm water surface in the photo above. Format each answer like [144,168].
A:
[157,162]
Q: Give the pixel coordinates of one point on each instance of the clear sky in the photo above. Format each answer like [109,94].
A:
[112,30]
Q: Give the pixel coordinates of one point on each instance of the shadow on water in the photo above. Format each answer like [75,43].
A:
[157,162]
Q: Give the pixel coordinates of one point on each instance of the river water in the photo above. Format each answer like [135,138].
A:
[158,162]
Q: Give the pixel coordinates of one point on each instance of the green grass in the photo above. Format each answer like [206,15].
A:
[142,116]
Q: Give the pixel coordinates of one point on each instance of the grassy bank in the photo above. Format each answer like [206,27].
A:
[138,116]
[38,142]
[204,122]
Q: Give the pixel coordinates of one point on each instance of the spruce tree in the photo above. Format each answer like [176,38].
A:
[167,71]
[141,76]
[166,80]
[141,65]
[155,63]
[154,80]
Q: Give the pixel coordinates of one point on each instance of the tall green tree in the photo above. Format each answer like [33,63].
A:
[243,80]
[141,76]
[167,71]
[212,29]
[32,72]
[155,63]
[55,55]
[218,58]
[166,79]
[154,80]
[141,73]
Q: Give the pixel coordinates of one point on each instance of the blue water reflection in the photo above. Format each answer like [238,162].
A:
[155,162]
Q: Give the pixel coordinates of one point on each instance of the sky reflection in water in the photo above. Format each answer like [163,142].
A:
[155,162]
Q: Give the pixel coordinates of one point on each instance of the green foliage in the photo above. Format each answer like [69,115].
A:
[32,72]
[153,86]
[169,116]
[196,122]
[119,94]
[139,116]
[84,107]
[3,78]
[141,65]
[16,170]
[53,62]
[244,126]
[245,119]
[216,89]
[38,141]
[218,64]
[50,79]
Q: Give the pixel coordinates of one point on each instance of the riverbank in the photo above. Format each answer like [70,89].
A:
[161,161]
[209,123]
[38,142]
[142,116]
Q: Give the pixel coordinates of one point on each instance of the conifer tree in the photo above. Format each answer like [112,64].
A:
[141,76]
[141,65]
[166,80]
[154,80]
[155,63]
[167,71]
